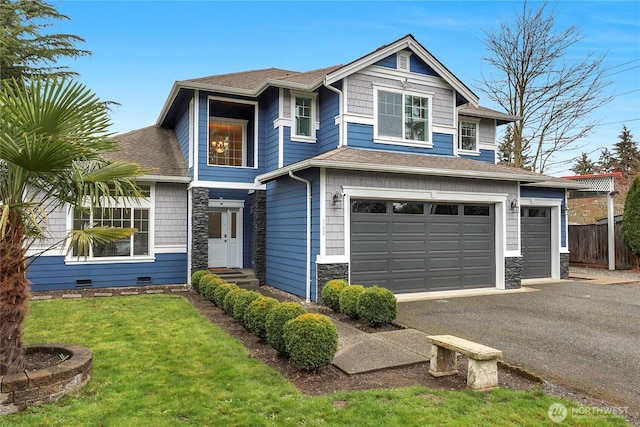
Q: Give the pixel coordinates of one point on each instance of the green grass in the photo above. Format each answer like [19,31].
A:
[158,362]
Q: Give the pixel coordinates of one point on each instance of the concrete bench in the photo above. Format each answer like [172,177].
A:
[482,370]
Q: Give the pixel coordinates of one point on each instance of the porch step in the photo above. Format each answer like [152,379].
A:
[243,277]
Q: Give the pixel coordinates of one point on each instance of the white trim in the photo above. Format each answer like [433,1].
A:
[498,199]
[189,233]
[323,214]
[411,78]
[191,133]
[170,249]
[476,122]
[228,185]
[196,136]
[280,129]
[165,178]
[108,260]
[225,203]
[556,232]
[332,259]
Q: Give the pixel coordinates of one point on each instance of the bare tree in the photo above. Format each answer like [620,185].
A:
[535,80]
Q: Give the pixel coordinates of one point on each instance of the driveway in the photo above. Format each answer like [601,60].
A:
[579,335]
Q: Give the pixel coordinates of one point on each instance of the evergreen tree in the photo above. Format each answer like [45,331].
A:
[584,166]
[26,49]
[631,219]
[507,153]
[626,152]
[607,162]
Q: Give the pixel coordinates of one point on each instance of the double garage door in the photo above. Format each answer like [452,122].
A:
[419,247]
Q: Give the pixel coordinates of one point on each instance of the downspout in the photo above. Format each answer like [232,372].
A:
[308,278]
[339,92]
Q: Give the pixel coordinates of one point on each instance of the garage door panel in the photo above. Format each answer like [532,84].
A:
[423,252]
[535,225]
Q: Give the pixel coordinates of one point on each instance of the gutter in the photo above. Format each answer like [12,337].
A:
[308,277]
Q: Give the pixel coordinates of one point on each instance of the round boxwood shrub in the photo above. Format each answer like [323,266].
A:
[311,340]
[221,292]
[255,318]
[331,293]
[276,320]
[231,298]
[377,306]
[196,277]
[208,285]
[349,300]
[242,303]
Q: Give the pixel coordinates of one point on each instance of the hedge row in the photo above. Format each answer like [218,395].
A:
[375,305]
[310,340]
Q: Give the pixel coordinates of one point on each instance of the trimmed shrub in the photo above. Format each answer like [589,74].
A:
[230,300]
[276,320]
[242,303]
[311,340]
[349,300]
[196,277]
[209,284]
[221,292]
[377,306]
[255,318]
[330,293]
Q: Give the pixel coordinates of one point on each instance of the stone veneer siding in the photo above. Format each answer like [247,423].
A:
[259,210]
[564,266]
[328,272]
[512,272]
[199,229]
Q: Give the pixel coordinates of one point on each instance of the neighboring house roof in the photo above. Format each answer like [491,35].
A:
[156,149]
[348,158]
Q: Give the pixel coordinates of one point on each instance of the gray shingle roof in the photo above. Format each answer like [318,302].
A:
[154,148]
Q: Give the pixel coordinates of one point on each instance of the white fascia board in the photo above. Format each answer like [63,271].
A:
[165,178]
[402,44]
[305,164]
[228,185]
[569,185]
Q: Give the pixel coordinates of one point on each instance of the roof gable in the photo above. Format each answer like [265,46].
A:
[407,42]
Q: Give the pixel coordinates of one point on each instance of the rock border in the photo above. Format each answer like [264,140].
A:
[33,388]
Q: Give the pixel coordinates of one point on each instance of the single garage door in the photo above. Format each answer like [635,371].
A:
[535,225]
[420,247]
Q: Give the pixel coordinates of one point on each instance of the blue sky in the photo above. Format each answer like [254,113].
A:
[141,48]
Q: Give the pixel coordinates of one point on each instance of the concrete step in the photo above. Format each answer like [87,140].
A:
[245,278]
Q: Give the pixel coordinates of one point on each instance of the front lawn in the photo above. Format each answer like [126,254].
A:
[158,362]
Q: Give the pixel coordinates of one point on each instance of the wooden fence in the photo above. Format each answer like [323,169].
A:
[588,244]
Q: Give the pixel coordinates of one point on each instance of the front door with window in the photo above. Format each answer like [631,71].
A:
[225,239]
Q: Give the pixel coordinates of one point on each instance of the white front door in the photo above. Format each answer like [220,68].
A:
[225,238]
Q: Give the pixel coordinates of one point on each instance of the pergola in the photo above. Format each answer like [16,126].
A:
[600,185]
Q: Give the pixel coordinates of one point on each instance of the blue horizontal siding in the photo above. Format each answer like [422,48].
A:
[549,193]
[488,156]
[416,64]
[48,273]
[295,151]
[182,134]
[361,136]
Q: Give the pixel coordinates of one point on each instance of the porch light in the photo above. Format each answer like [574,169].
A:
[514,204]
[336,199]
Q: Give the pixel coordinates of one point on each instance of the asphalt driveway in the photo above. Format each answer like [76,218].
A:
[579,335]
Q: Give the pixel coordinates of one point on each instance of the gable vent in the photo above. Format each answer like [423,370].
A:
[403,61]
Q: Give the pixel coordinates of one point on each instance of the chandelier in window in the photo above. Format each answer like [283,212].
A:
[220,143]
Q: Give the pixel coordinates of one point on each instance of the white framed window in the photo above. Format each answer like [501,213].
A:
[303,116]
[124,213]
[403,117]
[468,135]
[227,142]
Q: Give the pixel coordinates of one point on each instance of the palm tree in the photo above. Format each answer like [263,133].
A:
[53,140]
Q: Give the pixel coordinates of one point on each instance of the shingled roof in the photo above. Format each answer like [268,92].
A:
[348,158]
[153,148]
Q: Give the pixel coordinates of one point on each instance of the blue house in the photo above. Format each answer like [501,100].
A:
[381,171]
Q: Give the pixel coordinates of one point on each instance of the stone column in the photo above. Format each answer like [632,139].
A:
[199,229]
[259,210]
[564,266]
[512,272]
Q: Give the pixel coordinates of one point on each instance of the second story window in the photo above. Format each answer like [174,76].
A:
[303,116]
[468,136]
[227,141]
[403,117]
